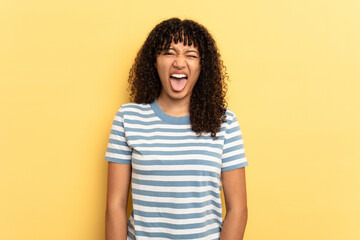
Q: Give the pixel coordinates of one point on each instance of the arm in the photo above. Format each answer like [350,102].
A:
[236,204]
[117,195]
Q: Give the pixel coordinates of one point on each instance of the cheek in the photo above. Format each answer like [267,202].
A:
[162,73]
[196,66]
[162,68]
[196,70]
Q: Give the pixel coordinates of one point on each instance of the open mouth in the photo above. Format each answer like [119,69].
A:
[178,81]
[178,76]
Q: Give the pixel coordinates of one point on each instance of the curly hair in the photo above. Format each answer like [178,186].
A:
[207,102]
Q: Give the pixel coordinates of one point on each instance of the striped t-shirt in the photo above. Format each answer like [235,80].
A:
[175,183]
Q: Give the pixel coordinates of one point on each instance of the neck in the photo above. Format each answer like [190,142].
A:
[174,107]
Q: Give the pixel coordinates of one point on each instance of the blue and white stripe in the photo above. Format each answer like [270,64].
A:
[175,173]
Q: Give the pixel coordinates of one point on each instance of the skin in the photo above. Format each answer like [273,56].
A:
[234,187]
[117,194]
[178,59]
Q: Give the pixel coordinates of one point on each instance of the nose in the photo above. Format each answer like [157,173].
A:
[179,62]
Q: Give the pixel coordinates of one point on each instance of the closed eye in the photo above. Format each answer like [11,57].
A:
[169,53]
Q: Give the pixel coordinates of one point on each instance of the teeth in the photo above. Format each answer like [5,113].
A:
[178,75]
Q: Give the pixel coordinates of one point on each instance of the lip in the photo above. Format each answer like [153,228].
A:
[179,72]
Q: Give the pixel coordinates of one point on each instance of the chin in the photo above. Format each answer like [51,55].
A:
[179,95]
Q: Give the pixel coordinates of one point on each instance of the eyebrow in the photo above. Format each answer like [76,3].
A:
[192,51]
[187,51]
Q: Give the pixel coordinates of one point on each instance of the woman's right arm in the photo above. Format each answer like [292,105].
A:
[117,195]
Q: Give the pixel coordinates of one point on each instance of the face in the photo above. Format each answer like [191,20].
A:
[178,69]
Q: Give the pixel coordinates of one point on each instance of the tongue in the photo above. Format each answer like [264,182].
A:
[178,84]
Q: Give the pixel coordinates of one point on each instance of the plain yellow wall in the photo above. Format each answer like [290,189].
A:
[295,87]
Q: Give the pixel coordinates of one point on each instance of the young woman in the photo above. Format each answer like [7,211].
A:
[176,143]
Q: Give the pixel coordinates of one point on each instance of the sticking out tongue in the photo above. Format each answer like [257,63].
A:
[178,84]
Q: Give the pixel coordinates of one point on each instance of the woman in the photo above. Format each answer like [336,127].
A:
[176,143]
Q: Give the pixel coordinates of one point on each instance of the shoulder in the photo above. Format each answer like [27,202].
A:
[232,123]
[134,107]
[230,116]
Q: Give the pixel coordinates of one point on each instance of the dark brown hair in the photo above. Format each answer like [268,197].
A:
[207,103]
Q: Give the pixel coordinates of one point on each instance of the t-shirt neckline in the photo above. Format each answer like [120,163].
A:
[168,118]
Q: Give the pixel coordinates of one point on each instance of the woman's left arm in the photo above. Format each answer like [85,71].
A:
[234,187]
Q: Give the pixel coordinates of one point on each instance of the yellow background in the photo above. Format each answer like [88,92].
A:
[295,87]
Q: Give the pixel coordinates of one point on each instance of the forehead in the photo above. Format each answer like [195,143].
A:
[183,37]
[182,46]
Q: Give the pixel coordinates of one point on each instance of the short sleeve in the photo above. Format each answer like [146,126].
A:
[118,150]
[233,156]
